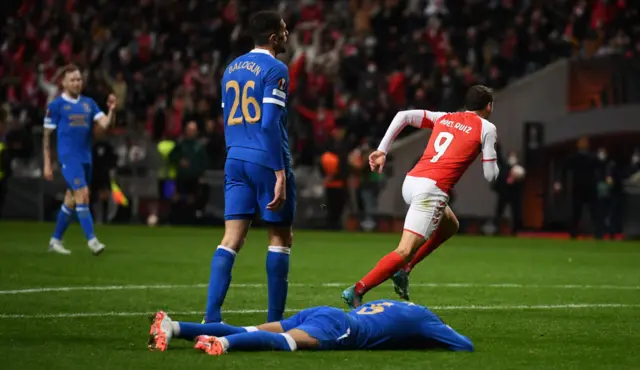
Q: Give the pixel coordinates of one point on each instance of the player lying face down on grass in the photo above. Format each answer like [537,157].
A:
[456,140]
[383,324]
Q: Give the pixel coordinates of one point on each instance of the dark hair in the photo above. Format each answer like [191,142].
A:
[69,68]
[264,24]
[477,98]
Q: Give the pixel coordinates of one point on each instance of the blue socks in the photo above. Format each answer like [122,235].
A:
[191,330]
[86,220]
[64,219]
[238,338]
[277,281]
[260,340]
[219,280]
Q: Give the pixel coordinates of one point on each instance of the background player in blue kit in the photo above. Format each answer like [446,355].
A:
[258,176]
[72,116]
[376,325]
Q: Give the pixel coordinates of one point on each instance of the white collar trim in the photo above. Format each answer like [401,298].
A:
[70,99]
[263,51]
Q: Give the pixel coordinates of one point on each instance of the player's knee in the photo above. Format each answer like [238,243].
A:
[281,236]
[404,251]
[69,200]
[81,196]
[233,242]
[452,223]
[409,244]
[235,233]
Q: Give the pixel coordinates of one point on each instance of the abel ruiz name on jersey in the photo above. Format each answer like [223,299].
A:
[456,125]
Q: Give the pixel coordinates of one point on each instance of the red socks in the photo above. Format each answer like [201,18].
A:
[427,248]
[386,267]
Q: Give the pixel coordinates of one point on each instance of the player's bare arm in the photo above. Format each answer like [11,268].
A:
[46,154]
[105,121]
[280,191]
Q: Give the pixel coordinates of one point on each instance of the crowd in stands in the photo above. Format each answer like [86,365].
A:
[353,63]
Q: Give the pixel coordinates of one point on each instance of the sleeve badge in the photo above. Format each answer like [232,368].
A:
[282,84]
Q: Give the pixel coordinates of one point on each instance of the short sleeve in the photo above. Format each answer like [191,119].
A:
[276,86]
[430,118]
[52,116]
[96,112]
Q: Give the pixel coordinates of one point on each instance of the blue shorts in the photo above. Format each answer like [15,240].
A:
[329,325]
[249,187]
[77,175]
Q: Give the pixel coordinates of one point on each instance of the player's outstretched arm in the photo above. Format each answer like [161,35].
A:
[417,118]
[445,335]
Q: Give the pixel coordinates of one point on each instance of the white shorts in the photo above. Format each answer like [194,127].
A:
[426,205]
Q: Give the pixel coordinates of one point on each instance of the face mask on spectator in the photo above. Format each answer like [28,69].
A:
[370,42]
[602,155]
[513,160]
[635,159]
[371,68]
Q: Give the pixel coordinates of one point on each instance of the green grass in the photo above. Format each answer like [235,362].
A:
[507,331]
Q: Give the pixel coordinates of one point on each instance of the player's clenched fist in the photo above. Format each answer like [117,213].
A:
[377,160]
[111,102]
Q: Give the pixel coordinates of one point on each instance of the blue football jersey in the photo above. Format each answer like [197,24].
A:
[249,83]
[73,120]
[391,324]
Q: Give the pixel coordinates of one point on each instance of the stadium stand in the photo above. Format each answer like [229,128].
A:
[353,63]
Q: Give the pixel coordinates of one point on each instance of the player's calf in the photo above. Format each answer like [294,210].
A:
[235,232]
[81,197]
[65,216]
[387,266]
[256,340]
[278,256]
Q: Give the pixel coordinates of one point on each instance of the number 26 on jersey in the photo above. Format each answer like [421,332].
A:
[245,101]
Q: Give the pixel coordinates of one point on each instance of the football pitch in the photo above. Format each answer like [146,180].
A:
[525,303]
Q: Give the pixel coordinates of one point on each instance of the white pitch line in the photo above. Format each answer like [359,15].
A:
[324,285]
[242,312]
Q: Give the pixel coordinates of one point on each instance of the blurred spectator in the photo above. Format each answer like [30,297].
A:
[5,167]
[191,160]
[119,88]
[580,174]
[103,172]
[634,166]
[509,189]
[606,188]
[334,164]
[370,184]
[215,144]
